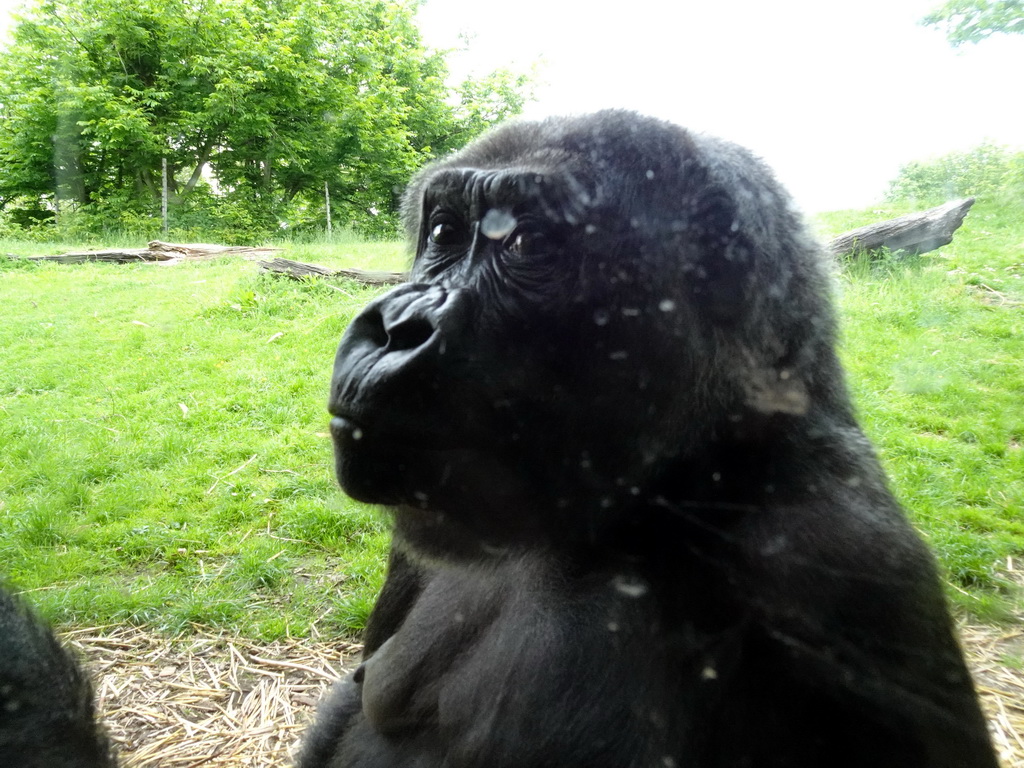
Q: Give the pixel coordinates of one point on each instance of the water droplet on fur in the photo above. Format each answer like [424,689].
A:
[497,224]
[630,585]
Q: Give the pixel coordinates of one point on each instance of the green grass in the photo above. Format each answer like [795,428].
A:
[165,457]
[934,350]
[165,451]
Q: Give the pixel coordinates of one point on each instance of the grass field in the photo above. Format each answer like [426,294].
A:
[934,350]
[165,458]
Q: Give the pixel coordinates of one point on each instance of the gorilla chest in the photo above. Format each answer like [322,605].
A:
[495,672]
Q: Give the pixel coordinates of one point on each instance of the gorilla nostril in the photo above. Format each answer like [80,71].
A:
[409,334]
[370,325]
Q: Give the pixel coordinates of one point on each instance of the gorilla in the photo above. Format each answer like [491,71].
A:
[47,719]
[636,522]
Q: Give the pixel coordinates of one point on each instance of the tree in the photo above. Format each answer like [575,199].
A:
[971,21]
[255,105]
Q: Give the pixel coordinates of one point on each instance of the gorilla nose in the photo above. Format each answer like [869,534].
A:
[392,350]
[403,320]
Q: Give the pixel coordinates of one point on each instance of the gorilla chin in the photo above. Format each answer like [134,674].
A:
[636,520]
[428,490]
[366,467]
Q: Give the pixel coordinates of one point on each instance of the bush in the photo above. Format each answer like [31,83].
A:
[987,171]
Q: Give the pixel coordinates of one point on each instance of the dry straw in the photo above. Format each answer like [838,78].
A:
[206,700]
[213,700]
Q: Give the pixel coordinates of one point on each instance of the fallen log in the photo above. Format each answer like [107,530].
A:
[296,269]
[207,250]
[914,233]
[156,251]
[299,270]
[117,256]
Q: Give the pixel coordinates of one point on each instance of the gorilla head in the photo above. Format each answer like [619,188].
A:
[597,305]
[636,522]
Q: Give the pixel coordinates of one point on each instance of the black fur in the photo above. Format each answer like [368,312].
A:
[636,522]
[47,718]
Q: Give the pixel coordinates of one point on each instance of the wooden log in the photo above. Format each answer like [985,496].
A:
[157,251]
[118,256]
[299,270]
[373,277]
[913,233]
[207,250]
[296,269]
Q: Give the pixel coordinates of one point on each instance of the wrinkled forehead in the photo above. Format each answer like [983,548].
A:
[474,191]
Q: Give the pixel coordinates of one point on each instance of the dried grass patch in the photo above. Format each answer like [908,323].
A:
[996,657]
[206,700]
[213,700]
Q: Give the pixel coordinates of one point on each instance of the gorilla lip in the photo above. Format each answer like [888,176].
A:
[346,430]
[343,427]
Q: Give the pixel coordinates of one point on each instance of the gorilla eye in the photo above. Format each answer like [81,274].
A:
[447,233]
[528,243]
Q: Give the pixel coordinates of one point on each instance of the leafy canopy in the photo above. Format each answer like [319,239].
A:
[971,21]
[254,104]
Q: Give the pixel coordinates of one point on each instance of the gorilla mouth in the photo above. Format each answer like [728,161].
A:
[402,435]
[368,468]
[391,463]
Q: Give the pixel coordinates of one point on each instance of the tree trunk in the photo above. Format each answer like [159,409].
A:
[197,173]
[914,233]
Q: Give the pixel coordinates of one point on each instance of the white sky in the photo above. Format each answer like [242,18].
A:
[836,96]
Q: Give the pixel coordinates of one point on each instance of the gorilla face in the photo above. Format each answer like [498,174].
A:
[584,313]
